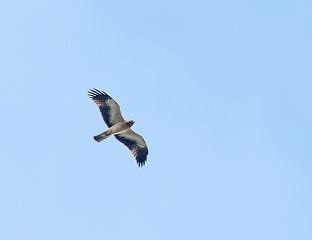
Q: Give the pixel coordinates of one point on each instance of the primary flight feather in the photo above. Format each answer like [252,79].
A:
[118,127]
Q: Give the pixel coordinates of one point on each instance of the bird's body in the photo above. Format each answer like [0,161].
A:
[110,111]
[113,130]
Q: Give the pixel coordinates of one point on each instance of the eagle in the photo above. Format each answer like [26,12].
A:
[117,126]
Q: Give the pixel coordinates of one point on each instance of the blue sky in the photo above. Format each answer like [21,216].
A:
[220,90]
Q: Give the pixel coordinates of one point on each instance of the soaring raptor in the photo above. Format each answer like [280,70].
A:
[118,127]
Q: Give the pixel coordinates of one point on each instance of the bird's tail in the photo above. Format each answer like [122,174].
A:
[102,136]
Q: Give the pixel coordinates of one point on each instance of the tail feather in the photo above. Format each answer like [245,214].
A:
[102,136]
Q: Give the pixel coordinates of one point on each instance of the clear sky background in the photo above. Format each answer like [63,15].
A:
[220,90]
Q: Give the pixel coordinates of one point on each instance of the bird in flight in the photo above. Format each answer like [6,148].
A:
[118,127]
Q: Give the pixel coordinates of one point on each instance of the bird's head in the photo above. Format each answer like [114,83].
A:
[130,123]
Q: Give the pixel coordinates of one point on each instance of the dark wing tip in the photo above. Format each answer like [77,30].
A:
[140,164]
[142,156]
[96,94]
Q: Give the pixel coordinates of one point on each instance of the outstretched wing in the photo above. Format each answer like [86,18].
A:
[136,144]
[109,108]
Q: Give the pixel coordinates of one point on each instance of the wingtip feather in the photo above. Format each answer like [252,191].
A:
[93,93]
